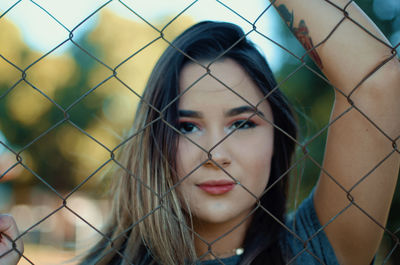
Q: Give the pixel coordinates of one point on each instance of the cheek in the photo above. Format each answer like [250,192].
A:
[181,162]
[263,169]
[183,159]
[259,173]
[186,158]
[256,162]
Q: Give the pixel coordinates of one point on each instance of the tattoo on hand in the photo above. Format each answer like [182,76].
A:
[301,33]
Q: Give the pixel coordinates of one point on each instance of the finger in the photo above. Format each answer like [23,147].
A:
[8,225]
[9,231]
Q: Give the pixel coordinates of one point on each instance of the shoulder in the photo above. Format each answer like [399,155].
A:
[304,240]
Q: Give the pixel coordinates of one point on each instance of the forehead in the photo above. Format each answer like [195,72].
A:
[209,90]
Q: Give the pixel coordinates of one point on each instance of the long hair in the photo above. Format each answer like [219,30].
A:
[148,224]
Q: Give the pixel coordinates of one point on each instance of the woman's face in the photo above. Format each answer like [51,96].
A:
[208,112]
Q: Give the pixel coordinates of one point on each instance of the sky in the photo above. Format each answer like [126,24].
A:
[42,32]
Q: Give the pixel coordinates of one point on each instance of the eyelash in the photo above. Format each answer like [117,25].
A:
[186,123]
[246,125]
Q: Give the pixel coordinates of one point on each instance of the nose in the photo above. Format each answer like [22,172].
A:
[219,155]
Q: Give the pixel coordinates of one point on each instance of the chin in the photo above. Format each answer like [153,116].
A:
[221,217]
[214,220]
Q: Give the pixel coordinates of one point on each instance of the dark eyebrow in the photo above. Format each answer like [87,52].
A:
[229,113]
[190,114]
[243,109]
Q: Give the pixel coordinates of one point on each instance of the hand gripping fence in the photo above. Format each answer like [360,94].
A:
[112,73]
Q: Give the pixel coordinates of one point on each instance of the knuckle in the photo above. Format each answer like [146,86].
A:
[6,221]
[7,218]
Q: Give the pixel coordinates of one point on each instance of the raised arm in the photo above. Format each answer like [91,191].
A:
[360,153]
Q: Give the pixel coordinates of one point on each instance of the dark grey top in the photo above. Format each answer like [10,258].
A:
[305,240]
[226,261]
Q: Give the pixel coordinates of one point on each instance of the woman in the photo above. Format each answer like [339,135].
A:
[203,176]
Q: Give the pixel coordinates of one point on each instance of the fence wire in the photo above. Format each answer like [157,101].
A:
[113,73]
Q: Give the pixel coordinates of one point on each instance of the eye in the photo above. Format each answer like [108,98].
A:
[187,127]
[243,124]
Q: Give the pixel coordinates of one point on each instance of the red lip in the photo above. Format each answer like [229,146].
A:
[217,187]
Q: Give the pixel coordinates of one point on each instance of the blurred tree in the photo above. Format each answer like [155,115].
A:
[80,85]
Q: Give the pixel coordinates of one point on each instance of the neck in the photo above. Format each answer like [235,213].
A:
[222,239]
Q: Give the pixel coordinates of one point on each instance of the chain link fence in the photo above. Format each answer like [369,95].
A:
[63,116]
